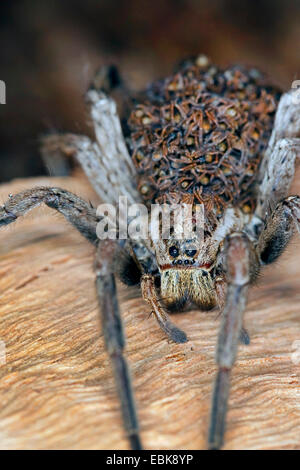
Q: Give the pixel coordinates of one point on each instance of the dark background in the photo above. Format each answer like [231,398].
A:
[49,50]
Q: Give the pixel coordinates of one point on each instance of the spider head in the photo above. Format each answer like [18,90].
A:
[187,274]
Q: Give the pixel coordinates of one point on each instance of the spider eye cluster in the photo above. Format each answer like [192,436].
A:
[174,252]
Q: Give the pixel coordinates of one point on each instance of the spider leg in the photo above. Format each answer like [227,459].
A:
[293,205]
[113,154]
[105,179]
[287,119]
[277,176]
[149,294]
[278,230]
[238,276]
[278,164]
[78,212]
[114,336]
[221,297]
[106,161]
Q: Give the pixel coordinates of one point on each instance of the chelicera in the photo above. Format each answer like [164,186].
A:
[222,139]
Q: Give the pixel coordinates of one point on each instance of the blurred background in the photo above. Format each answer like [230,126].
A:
[50,49]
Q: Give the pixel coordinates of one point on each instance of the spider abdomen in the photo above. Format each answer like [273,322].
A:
[198,136]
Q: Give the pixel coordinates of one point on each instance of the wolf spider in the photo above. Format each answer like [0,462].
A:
[219,271]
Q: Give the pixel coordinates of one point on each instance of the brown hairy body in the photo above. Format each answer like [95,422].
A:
[199,136]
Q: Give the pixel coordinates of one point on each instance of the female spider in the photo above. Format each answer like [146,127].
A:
[221,139]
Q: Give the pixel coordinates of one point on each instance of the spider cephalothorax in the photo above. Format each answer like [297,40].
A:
[205,137]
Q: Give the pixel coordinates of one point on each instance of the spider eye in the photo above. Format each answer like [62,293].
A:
[190,253]
[173,251]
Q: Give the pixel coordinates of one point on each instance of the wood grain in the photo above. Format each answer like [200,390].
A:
[56,388]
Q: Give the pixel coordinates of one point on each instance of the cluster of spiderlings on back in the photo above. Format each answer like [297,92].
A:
[199,135]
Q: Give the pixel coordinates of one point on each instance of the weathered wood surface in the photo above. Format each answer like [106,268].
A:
[56,388]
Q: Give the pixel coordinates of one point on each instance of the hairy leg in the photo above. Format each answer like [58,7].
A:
[89,156]
[278,230]
[149,294]
[278,175]
[78,212]
[238,258]
[114,336]
[106,161]
[278,165]
[113,153]
[221,298]
[287,119]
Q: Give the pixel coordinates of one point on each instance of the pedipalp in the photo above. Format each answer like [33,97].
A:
[149,294]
